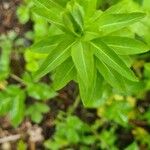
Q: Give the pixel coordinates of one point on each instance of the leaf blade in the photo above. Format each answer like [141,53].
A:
[49,4]
[63,74]
[83,61]
[47,44]
[116,80]
[125,45]
[108,56]
[108,23]
[55,58]
[95,95]
[49,15]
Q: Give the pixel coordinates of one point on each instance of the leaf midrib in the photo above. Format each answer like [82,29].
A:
[55,4]
[67,73]
[119,46]
[85,68]
[62,53]
[118,23]
[110,59]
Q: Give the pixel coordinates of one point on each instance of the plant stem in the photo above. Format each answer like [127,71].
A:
[18,79]
[75,105]
[10,138]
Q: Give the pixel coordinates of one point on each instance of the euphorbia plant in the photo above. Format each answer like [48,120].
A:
[86,50]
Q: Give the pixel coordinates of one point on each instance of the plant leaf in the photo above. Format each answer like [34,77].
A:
[127,60]
[73,18]
[109,57]
[77,13]
[62,2]
[89,6]
[83,60]
[109,76]
[17,111]
[108,23]
[123,6]
[56,57]
[68,22]
[34,91]
[116,80]
[49,4]
[5,104]
[50,15]
[125,45]
[63,74]
[47,44]
[95,95]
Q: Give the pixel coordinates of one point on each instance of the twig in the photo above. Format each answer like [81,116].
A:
[32,145]
[18,79]
[75,105]
[10,138]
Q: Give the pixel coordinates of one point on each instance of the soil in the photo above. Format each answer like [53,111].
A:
[8,19]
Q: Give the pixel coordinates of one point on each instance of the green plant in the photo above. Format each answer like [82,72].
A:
[12,104]
[111,111]
[13,100]
[87,49]
[132,146]
[21,145]
[77,133]
[108,138]
[35,111]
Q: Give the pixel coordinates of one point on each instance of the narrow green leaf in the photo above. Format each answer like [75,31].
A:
[116,80]
[109,76]
[49,4]
[50,15]
[96,91]
[56,57]
[73,18]
[47,44]
[123,6]
[108,56]
[95,95]
[69,22]
[77,13]
[89,6]
[62,2]
[125,45]
[108,23]
[95,16]
[63,74]
[83,59]
[127,60]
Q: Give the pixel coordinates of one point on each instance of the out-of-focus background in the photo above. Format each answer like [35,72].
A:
[33,116]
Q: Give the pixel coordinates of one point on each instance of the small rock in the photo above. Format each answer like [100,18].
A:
[6,146]
[6,5]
